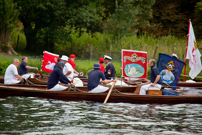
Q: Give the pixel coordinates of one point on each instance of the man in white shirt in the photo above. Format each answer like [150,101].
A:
[11,75]
[69,72]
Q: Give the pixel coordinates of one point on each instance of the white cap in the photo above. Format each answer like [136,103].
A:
[174,55]
[107,57]
[64,57]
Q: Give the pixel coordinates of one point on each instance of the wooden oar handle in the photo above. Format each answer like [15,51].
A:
[40,73]
[109,93]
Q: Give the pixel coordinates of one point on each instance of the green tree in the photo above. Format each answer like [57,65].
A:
[9,16]
[197,21]
[42,21]
[171,17]
[128,15]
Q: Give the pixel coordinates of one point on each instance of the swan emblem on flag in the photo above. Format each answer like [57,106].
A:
[134,70]
[50,65]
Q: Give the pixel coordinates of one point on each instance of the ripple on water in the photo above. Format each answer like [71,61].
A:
[41,116]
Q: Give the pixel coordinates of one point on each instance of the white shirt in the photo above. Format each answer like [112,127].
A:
[68,67]
[10,73]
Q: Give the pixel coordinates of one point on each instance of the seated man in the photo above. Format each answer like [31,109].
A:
[23,69]
[155,78]
[56,76]
[11,75]
[94,77]
[69,72]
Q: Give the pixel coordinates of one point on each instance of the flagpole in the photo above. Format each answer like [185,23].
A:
[186,50]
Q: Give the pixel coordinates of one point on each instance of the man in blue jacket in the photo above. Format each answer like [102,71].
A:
[109,70]
[155,78]
[94,77]
[56,76]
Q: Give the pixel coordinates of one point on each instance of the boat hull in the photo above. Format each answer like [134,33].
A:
[115,97]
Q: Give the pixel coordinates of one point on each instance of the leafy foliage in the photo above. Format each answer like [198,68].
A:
[8,16]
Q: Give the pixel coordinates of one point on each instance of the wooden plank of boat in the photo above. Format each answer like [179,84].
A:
[130,89]
[189,84]
[37,81]
[98,97]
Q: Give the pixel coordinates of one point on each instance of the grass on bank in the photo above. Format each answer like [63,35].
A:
[84,66]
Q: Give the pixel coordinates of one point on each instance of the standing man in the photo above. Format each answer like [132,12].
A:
[155,78]
[56,76]
[109,70]
[23,69]
[101,65]
[11,75]
[94,77]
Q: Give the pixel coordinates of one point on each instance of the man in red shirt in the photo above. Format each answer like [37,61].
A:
[101,65]
[71,61]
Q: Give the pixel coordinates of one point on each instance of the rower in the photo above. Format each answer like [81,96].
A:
[23,69]
[155,78]
[56,76]
[94,77]
[69,72]
[71,62]
[109,70]
[101,65]
[11,75]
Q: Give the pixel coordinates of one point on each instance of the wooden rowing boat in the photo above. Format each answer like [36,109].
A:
[80,95]
[129,82]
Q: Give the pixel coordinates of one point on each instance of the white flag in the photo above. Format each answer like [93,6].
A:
[193,54]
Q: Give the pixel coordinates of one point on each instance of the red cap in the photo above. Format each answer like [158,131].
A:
[72,56]
[101,59]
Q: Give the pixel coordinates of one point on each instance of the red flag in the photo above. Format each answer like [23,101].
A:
[134,64]
[49,61]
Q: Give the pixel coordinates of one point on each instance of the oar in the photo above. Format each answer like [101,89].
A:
[109,93]
[40,73]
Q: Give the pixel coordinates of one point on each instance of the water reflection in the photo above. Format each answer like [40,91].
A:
[22,115]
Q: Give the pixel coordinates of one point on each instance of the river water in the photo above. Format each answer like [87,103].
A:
[31,116]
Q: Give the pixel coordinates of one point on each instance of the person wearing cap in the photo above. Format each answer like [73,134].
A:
[101,65]
[174,55]
[58,76]
[23,69]
[155,78]
[109,70]
[71,62]
[69,72]
[68,69]
[94,77]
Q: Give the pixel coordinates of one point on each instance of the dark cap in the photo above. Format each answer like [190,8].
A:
[96,65]
[61,64]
